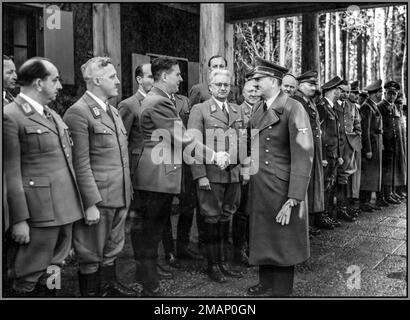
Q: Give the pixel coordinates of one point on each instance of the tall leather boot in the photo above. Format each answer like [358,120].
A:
[183,251]
[239,237]
[223,237]
[342,205]
[211,232]
[137,241]
[169,248]
[90,284]
[110,286]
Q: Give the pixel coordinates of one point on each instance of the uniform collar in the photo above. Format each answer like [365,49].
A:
[270,100]
[98,100]
[330,102]
[221,104]
[37,106]
[142,93]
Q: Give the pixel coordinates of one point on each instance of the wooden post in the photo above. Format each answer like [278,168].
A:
[107,34]
[211,35]
[310,42]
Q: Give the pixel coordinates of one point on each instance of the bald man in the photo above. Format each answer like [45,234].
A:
[289,84]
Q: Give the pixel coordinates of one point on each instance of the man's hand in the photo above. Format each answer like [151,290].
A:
[283,217]
[92,215]
[20,232]
[325,163]
[340,161]
[369,155]
[222,159]
[203,183]
[245,178]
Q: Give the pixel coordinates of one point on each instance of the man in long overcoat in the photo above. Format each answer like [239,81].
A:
[282,153]
[372,130]
[304,94]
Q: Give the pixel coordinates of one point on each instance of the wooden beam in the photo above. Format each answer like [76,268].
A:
[310,42]
[107,34]
[191,8]
[211,35]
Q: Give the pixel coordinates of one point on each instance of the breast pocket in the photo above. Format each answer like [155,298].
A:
[103,137]
[40,139]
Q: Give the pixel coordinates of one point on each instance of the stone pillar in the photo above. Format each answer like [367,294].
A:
[107,34]
[211,35]
[310,42]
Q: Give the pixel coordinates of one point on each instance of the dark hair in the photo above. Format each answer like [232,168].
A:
[161,64]
[32,69]
[138,71]
[7,57]
[214,57]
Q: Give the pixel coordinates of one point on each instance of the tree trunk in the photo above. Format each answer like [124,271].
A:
[294,44]
[347,57]
[327,48]
[338,45]
[332,47]
[372,74]
[404,64]
[382,23]
[359,54]
[282,41]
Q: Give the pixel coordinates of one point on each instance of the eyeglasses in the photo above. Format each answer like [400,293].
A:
[220,84]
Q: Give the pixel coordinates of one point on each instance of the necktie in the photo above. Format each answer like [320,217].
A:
[108,110]
[265,106]
[225,111]
[173,100]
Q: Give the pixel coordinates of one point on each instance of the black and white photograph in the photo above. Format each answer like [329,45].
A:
[191,150]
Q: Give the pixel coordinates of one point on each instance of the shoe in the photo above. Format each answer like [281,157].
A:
[223,235]
[111,287]
[375,207]
[381,202]
[391,200]
[151,293]
[164,273]
[189,254]
[402,194]
[322,221]
[241,258]
[89,284]
[366,207]
[215,274]
[258,290]
[397,196]
[352,212]
[343,215]
[172,261]
[314,231]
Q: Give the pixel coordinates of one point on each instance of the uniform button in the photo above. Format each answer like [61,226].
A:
[270,127]
[105,131]
[266,162]
[267,150]
[175,167]
[68,155]
[317,136]
[251,149]
[64,146]
[38,131]
[31,183]
[267,138]
[252,160]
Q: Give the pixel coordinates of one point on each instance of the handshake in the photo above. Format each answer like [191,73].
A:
[222,159]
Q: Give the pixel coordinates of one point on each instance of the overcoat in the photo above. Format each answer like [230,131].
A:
[316,188]
[372,131]
[281,161]
[41,184]
[393,166]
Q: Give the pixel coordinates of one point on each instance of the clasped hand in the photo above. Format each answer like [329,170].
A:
[222,159]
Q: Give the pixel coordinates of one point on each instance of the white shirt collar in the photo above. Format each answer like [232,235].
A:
[330,102]
[221,104]
[270,100]
[142,93]
[249,105]
[98,100]
[37,106]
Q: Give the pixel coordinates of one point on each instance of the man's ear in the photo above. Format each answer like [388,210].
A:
[139,80]
[37,83]
[96,81]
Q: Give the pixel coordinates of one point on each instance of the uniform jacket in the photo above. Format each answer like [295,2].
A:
[130,111]
[41,186]
[330,130]
[349,117]
[247,112]
[372,130]
[316,185]
[100,154]
[282,156]
[209,120]
[200,93]
[164,134]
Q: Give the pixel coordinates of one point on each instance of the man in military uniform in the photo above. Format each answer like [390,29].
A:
[100,157]
[218,192]
[392,171]
[9,79]
[372,130]
[363,95]
[279,236]
[305,93]
[354,181]
[350,143]
[289,84]
[159,179]
[240,220]
[43,197]
[332,156]
[401,189]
